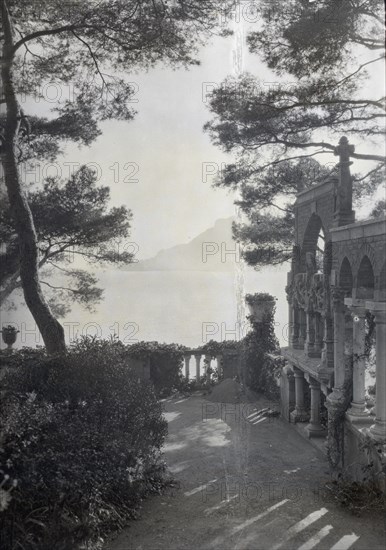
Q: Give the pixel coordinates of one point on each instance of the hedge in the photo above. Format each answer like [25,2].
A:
[80,446]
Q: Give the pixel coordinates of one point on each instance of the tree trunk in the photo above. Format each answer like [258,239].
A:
[51,330]
[11,284]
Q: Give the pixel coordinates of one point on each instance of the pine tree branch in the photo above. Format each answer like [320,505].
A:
[370,173]
[359,69]
[93,58]
[73,290]
[45,32]
[323,144]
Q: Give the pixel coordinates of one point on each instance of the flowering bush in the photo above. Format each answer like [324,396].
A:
[82,437]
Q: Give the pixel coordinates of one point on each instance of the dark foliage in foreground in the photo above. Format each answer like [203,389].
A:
[79,449]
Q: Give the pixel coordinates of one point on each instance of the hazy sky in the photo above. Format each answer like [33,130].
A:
[165,149]
[170,201]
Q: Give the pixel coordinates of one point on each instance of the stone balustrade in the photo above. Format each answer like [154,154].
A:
[304,379]
[299,384]
[202,364]
[349,349]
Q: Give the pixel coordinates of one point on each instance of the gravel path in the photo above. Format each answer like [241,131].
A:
[244,482]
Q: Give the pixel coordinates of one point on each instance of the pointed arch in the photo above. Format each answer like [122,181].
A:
[365,281]
[364,250]
[345,276]
[314,235]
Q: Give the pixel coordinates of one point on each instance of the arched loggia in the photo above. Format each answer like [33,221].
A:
[365,280]
[314,242]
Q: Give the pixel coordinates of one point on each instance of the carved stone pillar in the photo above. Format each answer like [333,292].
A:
[198,360]
[309,346]
[295,328]
[348,340]
[318,335]
[358,404]
[291,322]
[187,369]
[314,428]
[287,392]
[208,361]
[299,414]
[378,430]
[329,341]
[302,329]
[339,342]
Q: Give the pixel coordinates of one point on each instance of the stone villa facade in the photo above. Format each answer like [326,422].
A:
[330,292]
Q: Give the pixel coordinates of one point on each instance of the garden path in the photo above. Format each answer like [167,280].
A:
[243,482]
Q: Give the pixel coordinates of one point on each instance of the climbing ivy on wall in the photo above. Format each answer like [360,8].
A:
[337,410]
[259,370]
[214,348]
[370,333]
[336,418]
[166,362]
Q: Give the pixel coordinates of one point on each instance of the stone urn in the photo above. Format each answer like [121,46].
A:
[9,335]
[259,307]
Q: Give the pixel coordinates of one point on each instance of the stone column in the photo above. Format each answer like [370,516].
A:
[287,392]
[302,328]
[299,414]
[197,357]
[309,345]
[358,405]
[314,428]
[318,335]
[348,340]
[291,322]
[295,328]
[343,213]
[208,360]
[187,370]
[339,340]
[329,340]
[378,430]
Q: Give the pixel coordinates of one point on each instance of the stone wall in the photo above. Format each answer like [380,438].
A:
[316,202]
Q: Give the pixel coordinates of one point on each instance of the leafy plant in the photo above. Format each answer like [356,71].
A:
[166,362]
[357,497]
[259,369]
[336,419]
[258,298]
[81,435]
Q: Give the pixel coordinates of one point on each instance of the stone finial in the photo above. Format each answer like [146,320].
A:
[343,212]
[344,150]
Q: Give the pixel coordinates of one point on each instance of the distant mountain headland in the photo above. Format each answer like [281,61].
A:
[212,250]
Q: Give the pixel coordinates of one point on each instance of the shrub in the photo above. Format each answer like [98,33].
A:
[258,298]
[82,437]
[166,362]
[259,370]
[358,497]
